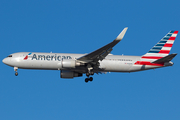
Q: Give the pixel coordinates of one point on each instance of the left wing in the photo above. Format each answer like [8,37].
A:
[102,52]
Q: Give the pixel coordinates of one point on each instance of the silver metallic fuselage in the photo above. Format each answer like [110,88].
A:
[52,61]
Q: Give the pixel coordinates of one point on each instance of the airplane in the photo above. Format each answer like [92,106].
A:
[98,61]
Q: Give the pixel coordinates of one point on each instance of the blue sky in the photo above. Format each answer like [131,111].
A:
[69,26]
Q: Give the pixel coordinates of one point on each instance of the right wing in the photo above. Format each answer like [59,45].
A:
[102,52]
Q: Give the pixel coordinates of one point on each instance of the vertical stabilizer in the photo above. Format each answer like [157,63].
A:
[162,48]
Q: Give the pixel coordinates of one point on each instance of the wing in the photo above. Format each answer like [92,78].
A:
[102,52]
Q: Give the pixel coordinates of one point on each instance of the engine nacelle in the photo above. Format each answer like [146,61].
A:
[69,63]
[69,74]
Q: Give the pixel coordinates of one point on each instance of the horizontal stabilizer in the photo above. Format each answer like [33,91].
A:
[166,58]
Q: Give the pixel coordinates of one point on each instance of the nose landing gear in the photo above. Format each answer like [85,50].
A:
[16,73]
[15,69]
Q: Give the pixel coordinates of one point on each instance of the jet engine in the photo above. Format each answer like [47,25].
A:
[69,63]
[69,74]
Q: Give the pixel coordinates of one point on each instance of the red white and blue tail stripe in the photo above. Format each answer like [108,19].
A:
[159,51]
[162,48]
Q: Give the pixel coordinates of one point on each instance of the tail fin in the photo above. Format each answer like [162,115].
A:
[162,48]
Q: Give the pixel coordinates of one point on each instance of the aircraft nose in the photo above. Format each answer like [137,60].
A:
[5,61]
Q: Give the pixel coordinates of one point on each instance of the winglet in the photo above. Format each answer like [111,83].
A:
[121,35]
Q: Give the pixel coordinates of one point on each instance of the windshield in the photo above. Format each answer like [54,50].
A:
[9,56]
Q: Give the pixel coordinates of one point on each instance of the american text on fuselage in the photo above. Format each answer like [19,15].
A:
[50,57]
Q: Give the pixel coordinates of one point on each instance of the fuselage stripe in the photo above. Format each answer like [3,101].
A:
[148,63]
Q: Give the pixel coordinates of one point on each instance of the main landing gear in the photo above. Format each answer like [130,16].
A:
[15,69]
[89,78]
[89,72]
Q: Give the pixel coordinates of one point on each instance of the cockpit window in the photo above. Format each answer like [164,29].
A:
[9,56]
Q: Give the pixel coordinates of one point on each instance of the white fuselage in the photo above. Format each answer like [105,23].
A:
[53,61]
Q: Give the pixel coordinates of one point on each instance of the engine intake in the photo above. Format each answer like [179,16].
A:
[69,74]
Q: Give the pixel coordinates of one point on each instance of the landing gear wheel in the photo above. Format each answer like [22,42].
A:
[86,80]
[16,74]
[91,79]
[87,74]
[91,73]
[15,69]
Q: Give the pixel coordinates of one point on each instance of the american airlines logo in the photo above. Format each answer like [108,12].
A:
[49,57]
[25,58]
